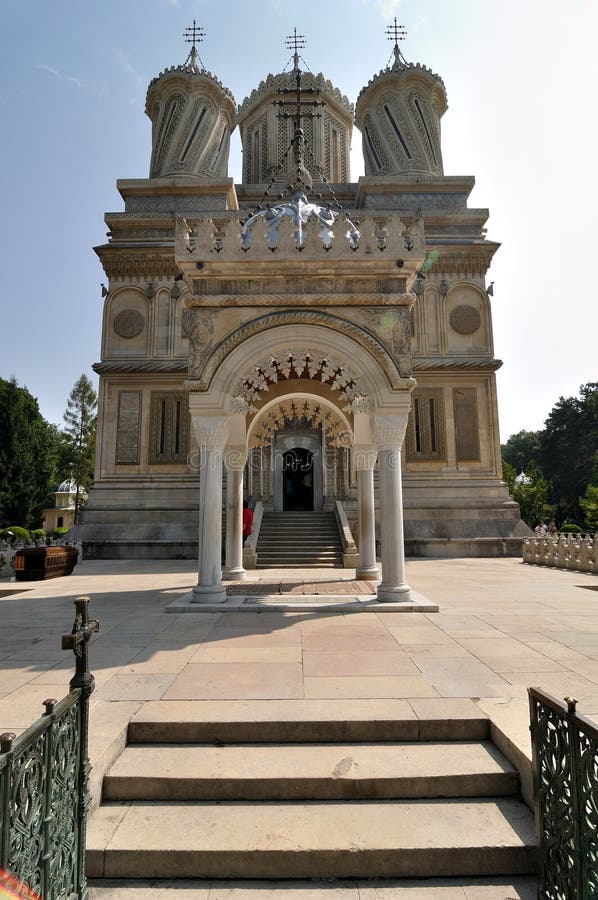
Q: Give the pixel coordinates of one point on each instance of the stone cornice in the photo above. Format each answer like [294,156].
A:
[463,260]
[178,185]
[431,364]
[141,366]
[141,262]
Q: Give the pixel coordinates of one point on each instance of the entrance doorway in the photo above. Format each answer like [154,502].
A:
[298,479]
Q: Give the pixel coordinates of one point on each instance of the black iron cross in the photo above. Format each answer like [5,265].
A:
[396,32]
[77,641]
[194,34]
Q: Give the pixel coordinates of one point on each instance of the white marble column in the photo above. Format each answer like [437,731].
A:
[390,433]
[212,432]
[234,460]
[367,569]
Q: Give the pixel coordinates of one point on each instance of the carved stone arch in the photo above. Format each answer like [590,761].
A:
[364,338]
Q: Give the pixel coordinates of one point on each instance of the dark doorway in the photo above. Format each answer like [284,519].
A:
[298,479]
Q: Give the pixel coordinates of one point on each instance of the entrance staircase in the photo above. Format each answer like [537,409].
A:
[299,539]
[308,789]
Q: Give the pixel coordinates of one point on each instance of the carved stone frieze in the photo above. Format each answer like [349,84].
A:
[428,364]
[448,202]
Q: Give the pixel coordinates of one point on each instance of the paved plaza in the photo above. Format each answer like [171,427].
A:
[501,627]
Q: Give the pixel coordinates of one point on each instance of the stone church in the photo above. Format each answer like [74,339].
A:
[300,341]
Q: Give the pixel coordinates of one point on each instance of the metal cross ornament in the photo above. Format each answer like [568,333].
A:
[396,33]
[77,641]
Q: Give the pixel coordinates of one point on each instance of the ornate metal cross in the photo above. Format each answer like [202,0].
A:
[195,34]
[77,641]
[396,33]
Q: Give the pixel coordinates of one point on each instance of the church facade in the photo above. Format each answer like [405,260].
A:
[298,340]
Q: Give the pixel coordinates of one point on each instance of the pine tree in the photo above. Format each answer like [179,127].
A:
[80,433]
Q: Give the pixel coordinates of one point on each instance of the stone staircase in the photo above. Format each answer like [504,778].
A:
[307,789]
[305,539]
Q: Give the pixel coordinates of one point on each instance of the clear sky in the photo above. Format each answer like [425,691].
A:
[521,77]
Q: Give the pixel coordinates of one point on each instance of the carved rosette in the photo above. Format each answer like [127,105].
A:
[128,323]
[465,319]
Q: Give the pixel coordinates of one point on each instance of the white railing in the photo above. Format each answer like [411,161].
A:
[578,552]
[250,546]
[350,553]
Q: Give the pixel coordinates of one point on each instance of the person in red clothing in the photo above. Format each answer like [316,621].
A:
[247,520]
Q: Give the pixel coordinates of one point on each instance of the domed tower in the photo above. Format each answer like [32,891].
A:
[267,120]
[193,116]
[398,114]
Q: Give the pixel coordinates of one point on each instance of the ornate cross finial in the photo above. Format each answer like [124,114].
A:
[396,33]
[295,42]
[193,35]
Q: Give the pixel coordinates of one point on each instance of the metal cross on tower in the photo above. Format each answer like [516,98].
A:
[301,110]
[396,33]
[193,35]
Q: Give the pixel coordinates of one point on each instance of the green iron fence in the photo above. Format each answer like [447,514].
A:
[565,771]
[44,776]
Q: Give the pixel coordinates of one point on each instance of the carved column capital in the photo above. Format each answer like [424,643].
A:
[390,430]
[364,458]
[235,458]
[211,431]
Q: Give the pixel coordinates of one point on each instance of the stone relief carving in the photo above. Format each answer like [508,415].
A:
[291,317]
[393,327]
[128,323]
[198,326]
[465,319]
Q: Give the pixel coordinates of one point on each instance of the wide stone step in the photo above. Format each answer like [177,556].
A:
[393,838]
[308,721]
[324,772]
[520,888]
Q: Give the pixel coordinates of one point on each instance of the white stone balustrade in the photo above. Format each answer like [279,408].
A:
[577,552]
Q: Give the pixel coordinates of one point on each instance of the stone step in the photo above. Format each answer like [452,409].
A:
[390,839]
[308,721]
[519,888]
[325,772]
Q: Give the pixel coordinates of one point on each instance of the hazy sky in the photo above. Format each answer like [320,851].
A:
[521,80]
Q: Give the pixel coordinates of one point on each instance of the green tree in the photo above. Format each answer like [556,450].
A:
[533,498]
[79,433]
[29,450]
[569,450]
[522,450]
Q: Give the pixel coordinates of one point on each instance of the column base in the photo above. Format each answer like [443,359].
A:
[209,593]
[235,573]
[367,573]
[394,593]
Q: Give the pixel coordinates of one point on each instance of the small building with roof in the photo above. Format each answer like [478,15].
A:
[62,514]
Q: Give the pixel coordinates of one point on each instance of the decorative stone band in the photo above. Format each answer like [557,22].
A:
[235,458]
[390,430]
[364,458]
[175,366]
[211,431]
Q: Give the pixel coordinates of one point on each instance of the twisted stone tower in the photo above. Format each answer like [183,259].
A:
[192,115]
[398,114]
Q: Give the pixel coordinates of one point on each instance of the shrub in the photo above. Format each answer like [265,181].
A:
[18,533]
[38,533]
[570,528]
[60,532]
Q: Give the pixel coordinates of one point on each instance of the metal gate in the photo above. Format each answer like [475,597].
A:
[44,776]
[565,770]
